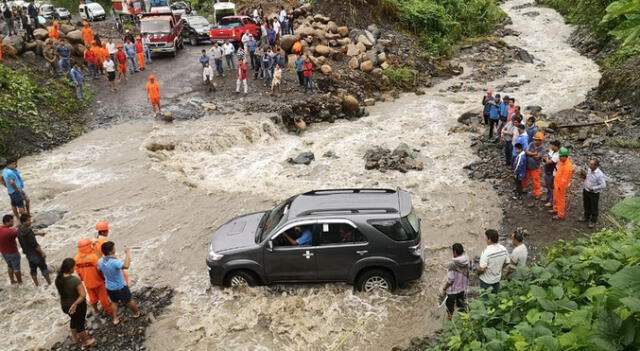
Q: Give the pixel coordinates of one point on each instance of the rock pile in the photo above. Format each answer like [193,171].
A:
[15,45]
[402,159]
[130,333]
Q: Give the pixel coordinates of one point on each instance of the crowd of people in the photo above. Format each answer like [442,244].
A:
[94,277]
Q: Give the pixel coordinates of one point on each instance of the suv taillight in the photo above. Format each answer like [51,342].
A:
[416,250]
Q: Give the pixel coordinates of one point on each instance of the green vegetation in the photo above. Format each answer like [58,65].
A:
[442,23]
[628,209]
[584,296]
[624,143]
[403,78]
[30,105]
[608,20]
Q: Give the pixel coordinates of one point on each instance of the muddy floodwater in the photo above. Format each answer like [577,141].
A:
[167,203]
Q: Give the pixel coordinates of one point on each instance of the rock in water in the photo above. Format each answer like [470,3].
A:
[403,159]
[47,218]
[350,104]
[304,158]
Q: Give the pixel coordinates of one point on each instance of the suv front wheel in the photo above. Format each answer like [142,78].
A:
[375,279]
[240,279]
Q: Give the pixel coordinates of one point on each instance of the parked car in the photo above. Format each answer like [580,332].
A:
[165,30]
[62,13]
[366,237]
[197,29]
[232,27]
[47,11]
[91,11]
[181,8]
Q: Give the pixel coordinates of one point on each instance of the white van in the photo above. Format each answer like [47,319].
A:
[91,11]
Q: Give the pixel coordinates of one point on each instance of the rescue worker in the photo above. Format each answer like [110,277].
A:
[53,32]
[90,59]
[121,61]
[535,152]
[87,34]
[140,53]
[153,93]
[561,183]
[87,269]
[99,53]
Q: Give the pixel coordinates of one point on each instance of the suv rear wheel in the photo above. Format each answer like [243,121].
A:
[240,279]
[375,279]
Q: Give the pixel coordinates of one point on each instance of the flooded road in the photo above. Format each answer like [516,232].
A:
[167,203]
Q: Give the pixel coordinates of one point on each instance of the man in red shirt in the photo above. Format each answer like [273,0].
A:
[242,77]
[121,60]
[308,75]
[90,60]
[9,249]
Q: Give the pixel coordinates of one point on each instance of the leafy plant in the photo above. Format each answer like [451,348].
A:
[627,13]
[628,209]
[403,78]
[584,296]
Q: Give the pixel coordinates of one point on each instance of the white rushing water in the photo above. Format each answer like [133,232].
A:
[167,204]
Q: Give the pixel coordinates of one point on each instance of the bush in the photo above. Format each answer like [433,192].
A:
[441,23]
[585,296]
[403,78]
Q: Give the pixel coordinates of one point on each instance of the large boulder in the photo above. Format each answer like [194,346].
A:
[322,50]
[41,34]
[366,66]
[326,69]
[343,31]
[362,39]
[78,50]
[304,158]
[66,28]
[354,63]
[8,50]
[362,47]
[350,104]
[344,41]
[287,41]
[385,42]
[382,57]
[373,56]
[331,36]
[39,47]
[75,37]
[29,56]
[375,30]
[31,46]
[353,50]
[370,36]
[16,42]
[377,72]
[332,27]
[321,18]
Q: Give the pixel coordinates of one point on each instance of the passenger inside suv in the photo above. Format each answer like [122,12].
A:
[304,236]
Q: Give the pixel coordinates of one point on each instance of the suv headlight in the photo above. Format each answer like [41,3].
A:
[213,256]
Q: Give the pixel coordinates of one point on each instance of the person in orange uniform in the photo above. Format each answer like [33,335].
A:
[153,93]
[97,51]
[103,232]
[561,182]
[121,60]
[87,269]
[535,152]
[140,52]
[53,32]
[87,34]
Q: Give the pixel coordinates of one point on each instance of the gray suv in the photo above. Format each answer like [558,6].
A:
[366,237]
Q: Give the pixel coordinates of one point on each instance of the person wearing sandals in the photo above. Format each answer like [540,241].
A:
[72,300]
[117,288]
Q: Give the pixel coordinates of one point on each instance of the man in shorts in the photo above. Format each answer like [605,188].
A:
[30,247]
[12,180]
[117,288]
[9,249]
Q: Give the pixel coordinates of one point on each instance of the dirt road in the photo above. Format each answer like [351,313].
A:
[166,204]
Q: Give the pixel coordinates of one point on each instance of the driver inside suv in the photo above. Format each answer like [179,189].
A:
[304,238]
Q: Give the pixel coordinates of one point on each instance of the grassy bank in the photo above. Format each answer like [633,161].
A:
[35,112]
[585,296]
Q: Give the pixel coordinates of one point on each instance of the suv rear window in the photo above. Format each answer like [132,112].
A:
[393,229]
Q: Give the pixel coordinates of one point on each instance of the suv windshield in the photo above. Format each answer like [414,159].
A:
[272,218]
[155,27]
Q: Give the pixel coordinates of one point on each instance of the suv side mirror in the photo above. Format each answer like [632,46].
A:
[270,245]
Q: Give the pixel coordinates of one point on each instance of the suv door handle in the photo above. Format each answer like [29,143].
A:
[307,254]
[362,252]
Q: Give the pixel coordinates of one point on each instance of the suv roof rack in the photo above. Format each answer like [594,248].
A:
[354,190]
[349,210]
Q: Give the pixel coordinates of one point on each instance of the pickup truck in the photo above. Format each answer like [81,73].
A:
[232,27]
[165,30]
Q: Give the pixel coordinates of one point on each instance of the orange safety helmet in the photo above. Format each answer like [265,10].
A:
[56,23]
[538,136]
[84,243]
[152,77]
[102,226]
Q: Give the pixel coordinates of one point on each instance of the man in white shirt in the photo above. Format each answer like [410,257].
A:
[282,15]
[519,254]
[112,49]
[594,183]
[276,26]
[207,77]
[493,259]
[228,49]
[217,54]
